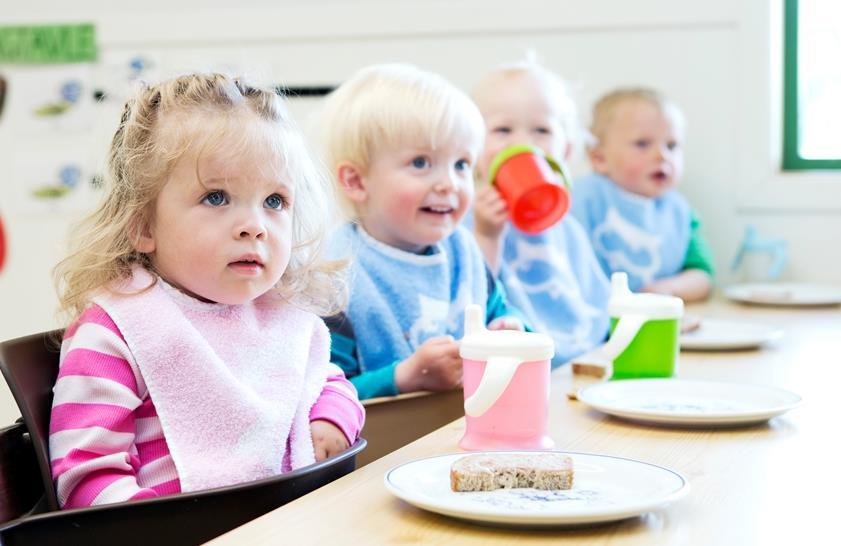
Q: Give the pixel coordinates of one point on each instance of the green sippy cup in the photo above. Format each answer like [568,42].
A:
[644,332]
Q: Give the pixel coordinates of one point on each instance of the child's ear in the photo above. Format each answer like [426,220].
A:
[140,234]
[597,160]
[352,181]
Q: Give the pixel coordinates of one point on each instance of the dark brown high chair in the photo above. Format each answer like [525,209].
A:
[27,494]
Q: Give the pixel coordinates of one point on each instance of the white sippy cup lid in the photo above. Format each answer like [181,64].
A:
[653,306]
[482,344]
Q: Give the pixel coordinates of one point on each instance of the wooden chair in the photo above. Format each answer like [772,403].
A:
[30,366]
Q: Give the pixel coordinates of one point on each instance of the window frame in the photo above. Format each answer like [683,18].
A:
[792,160]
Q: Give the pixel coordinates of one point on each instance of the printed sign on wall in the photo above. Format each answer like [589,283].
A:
[47,44]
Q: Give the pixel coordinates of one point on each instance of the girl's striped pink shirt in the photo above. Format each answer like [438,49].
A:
[106,441]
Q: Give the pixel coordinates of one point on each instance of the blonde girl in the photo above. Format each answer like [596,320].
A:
[195,357]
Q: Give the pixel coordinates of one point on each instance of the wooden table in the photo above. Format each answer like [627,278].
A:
[774,483]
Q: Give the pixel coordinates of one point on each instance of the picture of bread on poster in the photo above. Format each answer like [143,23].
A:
[50,101]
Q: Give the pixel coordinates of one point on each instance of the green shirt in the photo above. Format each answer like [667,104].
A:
[698,254]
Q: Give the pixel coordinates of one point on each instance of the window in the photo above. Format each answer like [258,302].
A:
[812,109]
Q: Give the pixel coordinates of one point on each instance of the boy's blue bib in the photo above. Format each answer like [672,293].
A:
[399,299]
[645,237]
[554,279]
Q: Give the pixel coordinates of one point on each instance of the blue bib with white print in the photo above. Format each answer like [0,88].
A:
[554,279]
[399,299]
[645,237]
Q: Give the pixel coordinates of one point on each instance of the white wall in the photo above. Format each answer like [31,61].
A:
[718,59]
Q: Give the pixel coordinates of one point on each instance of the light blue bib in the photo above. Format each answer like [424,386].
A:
[554,279]
[399,299]
[644,237]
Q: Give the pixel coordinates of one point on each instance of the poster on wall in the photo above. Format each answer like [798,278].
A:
[57,184]
[48,68]
[54,101]
[118,74]
[116,77]
[47,118]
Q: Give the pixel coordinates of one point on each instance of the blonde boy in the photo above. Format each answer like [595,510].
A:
[552,277]
[402,144]
[636,219]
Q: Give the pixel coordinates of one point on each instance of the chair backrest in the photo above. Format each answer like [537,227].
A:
[30,366]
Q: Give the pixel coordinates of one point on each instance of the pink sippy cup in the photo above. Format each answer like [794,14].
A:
[506,386]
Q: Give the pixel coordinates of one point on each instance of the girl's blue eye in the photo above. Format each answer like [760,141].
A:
[462,165]
[542,130]
[502,130]
[672,145]
[420,162]
[641,143]
[275,201]
[216,198]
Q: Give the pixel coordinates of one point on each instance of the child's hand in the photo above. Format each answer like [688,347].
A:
[506,323]
[490,212]
[662,286]
[689,285]
[327,439]
[435,366]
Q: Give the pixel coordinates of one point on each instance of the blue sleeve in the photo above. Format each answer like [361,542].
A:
[344,354]
[498,303]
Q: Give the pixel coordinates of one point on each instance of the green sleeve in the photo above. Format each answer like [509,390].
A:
[498,304]
[343,353]
[698,255]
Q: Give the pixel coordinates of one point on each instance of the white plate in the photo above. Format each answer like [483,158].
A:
[780,293]
[692,403]
[723,335]
[605,489]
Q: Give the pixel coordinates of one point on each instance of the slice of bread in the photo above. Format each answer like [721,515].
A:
[489,471]
[689,323]
[589,369]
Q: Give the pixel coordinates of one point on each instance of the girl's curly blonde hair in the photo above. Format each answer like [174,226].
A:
[139,162]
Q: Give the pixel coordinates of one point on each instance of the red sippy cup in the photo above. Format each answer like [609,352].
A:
[535,186]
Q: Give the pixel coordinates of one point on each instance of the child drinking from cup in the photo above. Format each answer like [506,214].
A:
[552,276]
[402,144]
[196,358]
[637,221]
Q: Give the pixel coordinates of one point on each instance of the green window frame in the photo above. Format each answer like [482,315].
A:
[792,160]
